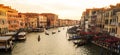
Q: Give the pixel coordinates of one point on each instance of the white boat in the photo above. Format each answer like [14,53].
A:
[9,34]
[21,36]
[6,43]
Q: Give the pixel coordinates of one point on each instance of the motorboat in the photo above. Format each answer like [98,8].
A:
[10,34]
[6,43]
[21,36]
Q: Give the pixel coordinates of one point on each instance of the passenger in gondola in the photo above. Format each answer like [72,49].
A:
[38,37]
[46,33]
[58,30]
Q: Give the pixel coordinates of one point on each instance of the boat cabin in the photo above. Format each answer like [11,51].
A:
[21,36]
[6,43]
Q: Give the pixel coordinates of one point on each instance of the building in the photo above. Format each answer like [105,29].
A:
[31,20]
[118,26]
[52,19]
[82,24]
[42,21]
[21,20]
[102,19]
[60,22]
[86,20]
[3,20]
[111,20]
[12,16]
[32,23]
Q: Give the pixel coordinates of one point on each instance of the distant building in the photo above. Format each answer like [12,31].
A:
[42,21]
[52,19]
[21,20]
[31,20]
[60,22]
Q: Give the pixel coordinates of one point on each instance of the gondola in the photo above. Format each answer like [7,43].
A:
[58,30]
[53,32]
[46,33]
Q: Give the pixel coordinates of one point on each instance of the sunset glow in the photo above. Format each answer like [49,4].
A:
[70,9]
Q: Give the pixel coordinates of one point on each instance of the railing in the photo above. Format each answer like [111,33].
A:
[114,23]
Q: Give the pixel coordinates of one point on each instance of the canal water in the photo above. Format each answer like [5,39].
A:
[52,44]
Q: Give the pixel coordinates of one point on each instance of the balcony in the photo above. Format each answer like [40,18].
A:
[114,23]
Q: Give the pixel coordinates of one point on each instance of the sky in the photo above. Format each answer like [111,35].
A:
[65,9]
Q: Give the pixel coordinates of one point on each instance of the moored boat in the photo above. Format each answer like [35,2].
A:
[38,30]
[74,38]
[21,36]
[6,43]
[10,34]
[80,42]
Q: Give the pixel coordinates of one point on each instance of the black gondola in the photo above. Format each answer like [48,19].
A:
[38,37]
[46,33]
[53,32]
[58,30]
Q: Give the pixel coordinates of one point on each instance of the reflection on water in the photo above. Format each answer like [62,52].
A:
[53,44]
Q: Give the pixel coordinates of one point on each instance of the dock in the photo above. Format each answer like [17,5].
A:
[106,47]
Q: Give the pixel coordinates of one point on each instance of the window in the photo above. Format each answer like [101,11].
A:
[21,24]
[0,30]
[9,22]
[106,21]
[119,24]
[0,21]
[14,21]
[2,13]
[111,20]
[116,18]
[3,22]
[116,30]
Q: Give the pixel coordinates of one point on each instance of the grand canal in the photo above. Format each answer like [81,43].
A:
[53,44]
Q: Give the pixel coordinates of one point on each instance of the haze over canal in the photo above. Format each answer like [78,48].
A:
[53,44]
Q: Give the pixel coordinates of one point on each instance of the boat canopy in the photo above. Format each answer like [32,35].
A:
[22,33]
[5,38]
